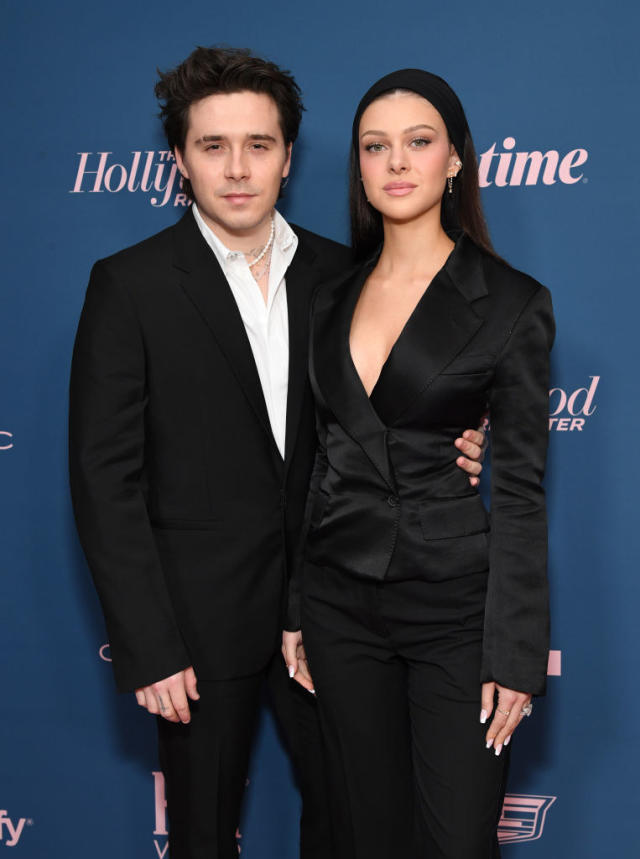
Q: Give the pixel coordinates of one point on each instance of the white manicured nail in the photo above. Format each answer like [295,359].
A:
[498,749]
[507,740]
[489,743]
[292,671]
[483,716]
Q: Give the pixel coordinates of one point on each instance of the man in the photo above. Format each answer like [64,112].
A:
[191,443]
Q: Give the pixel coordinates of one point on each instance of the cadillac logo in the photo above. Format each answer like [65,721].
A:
[523,817]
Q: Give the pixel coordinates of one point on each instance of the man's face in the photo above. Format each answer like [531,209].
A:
[235,158]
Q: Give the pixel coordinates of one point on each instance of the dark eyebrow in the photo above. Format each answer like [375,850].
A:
[210,138]
[216,138]
[406,131]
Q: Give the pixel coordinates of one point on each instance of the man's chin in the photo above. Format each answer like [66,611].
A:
[242,222]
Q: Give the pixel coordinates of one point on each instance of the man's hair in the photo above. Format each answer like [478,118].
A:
[211,71]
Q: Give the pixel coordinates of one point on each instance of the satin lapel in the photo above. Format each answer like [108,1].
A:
[205,284]
[300,281]
[441,325]
[337,377]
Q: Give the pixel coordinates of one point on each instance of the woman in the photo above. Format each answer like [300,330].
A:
[425,627]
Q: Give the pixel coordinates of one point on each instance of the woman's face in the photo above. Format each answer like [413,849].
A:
[405,156]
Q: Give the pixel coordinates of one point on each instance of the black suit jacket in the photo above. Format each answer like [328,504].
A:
[184,506]
[388,500]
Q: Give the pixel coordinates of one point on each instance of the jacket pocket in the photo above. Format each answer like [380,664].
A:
[471,365]
[443,518]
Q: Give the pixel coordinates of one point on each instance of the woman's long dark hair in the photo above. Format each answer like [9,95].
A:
[461,210]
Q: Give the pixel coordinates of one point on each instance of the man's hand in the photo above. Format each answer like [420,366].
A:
[296,659]
[473,445]
[168,697]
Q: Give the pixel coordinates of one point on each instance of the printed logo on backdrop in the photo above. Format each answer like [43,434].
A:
[148,171]
[6,442]
[12,829]
[523,817]
[511,168]
[154,172]
[554,665]
[160,832]
[569,410]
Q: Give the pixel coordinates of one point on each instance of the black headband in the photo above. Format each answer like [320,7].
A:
[434,89]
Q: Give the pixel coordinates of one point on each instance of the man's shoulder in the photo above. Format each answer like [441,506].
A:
[333,255]
[152,251]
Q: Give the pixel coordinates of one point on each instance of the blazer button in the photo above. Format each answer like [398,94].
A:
[392,501]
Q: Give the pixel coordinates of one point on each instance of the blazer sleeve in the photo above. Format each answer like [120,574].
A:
[292,618]
[516,634]
[106,459]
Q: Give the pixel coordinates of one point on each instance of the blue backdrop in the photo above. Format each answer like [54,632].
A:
[85,173]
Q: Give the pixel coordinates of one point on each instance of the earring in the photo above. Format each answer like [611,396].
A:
[450,184]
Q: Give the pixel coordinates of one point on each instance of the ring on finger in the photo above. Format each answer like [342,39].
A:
[504,712]
[527,709]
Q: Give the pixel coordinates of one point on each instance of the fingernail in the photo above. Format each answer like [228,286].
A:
[313,691]
[483,716]
[498,749]
[507,740]
[292,671]
[489,743]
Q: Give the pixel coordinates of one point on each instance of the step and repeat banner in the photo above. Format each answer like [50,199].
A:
[551,94]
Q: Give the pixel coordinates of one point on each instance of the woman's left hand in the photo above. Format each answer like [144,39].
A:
[508,713]
[296,659]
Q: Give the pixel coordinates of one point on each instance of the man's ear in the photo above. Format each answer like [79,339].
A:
[287,163]
[180,162]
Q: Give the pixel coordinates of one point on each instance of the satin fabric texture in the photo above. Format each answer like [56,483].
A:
[387,500]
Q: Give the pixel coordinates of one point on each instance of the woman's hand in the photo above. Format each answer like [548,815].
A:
[296,659]
[508,713]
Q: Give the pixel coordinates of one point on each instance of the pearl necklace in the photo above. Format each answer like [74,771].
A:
[267,246]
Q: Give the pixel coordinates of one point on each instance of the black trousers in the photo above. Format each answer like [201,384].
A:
[205,764]
[396,668]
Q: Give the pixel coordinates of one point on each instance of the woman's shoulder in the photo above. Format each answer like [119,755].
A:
[513,295]
[505,280]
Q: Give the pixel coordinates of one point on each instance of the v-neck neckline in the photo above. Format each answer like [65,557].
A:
[358,292]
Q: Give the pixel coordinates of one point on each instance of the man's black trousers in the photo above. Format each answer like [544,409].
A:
[205,763]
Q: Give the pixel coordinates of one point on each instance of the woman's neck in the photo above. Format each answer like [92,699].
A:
[413,248]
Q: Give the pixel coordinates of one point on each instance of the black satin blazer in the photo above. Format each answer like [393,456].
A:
[387,500]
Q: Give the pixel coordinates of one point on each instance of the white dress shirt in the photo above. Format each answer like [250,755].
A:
[266,324]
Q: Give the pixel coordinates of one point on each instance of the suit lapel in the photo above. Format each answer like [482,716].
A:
[206,286]
[439,329]
[300,280]
[336,375]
